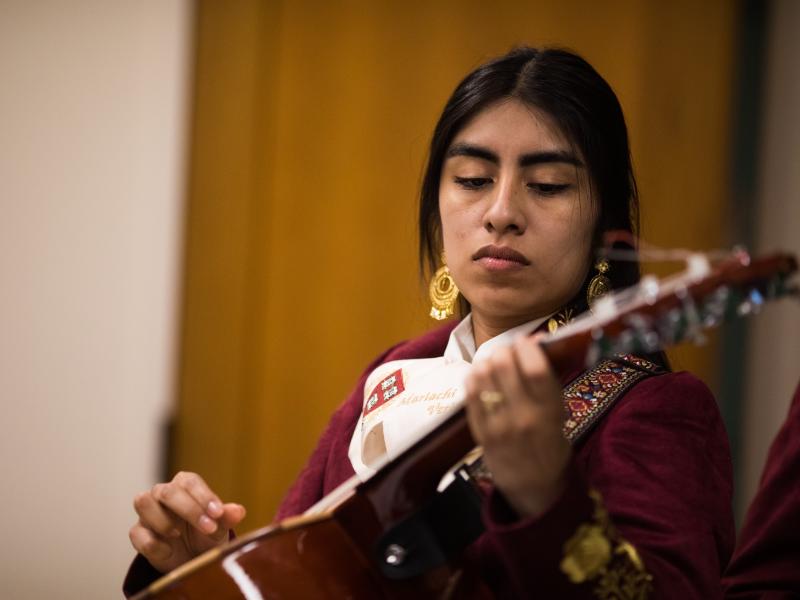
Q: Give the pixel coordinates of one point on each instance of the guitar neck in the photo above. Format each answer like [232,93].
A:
[645,319]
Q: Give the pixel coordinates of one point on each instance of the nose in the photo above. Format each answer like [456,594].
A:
[504,214]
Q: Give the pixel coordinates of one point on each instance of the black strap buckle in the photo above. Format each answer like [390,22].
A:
[436,533]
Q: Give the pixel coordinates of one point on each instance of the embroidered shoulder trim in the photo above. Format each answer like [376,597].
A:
[593,392]
[588,398]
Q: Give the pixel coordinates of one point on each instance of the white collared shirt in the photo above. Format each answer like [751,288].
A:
[403,397]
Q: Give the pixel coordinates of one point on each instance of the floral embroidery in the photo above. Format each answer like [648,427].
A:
[588,397]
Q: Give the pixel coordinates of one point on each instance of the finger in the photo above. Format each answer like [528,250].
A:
[477,381]
[232,515]
[148,544]
[184,506]
[536,372]
[153,516]
[506,377]
[199,490]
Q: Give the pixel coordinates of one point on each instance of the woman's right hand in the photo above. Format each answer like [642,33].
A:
[180,520]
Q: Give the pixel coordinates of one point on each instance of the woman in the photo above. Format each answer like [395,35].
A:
[529,166]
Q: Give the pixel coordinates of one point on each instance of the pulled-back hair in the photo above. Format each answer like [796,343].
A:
[585,109]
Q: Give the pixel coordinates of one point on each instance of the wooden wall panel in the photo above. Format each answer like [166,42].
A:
[310,132]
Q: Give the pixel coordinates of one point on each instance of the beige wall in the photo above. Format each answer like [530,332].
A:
[774,352]
[92,103]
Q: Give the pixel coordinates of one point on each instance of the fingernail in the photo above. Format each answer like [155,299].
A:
[207,524]
[175,533]
[214,508]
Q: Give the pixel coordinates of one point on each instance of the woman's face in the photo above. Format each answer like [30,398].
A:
[517,216]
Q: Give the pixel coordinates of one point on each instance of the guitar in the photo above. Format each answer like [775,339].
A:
[353,543]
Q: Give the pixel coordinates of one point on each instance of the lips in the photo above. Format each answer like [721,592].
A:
[500,253]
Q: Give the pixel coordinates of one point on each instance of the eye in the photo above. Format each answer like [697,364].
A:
[549,189]
[472,183]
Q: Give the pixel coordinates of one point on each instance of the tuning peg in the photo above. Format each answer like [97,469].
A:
[650,341]
[605,308]
[752,304]
[649,288]
[741,254]
[694,324]
[643,333]
[669,326]
[624,343]
[596,348]
[715,307]
[697,266]
[779,286]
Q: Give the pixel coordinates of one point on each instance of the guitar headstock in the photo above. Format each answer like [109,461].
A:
[657,313]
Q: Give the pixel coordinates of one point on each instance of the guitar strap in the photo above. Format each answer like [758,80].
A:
[590,396]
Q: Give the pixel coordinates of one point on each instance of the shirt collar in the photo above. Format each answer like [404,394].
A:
[461,345]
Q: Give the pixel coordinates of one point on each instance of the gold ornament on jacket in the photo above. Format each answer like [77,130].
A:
[560,319]
[597,553]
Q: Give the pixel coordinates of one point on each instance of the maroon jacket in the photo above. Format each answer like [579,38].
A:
[659,458]
[766,563]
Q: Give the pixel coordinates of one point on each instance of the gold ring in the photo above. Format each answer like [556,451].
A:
[491,400]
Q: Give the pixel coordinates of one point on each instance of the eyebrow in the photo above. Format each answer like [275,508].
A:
[526,160]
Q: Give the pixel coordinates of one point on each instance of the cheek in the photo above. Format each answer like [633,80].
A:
[568,247]
[458,221]
[457,234]
[456,246]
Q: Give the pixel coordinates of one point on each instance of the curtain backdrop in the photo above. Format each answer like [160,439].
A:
[311,121]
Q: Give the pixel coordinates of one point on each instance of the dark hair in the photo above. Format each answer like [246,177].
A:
[586,110]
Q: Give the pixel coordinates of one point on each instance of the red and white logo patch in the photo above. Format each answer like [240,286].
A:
[389,387]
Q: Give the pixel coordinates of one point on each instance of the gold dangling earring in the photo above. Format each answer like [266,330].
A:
[443,292]
[600,284]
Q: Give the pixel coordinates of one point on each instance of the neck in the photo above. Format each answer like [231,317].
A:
[485,328]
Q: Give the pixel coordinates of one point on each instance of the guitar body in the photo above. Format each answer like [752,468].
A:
[311,558]
[334,552]
[279,562]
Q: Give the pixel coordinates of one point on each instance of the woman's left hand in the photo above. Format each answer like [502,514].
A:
[515,412]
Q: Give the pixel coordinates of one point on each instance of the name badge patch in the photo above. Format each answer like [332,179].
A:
[389,387]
